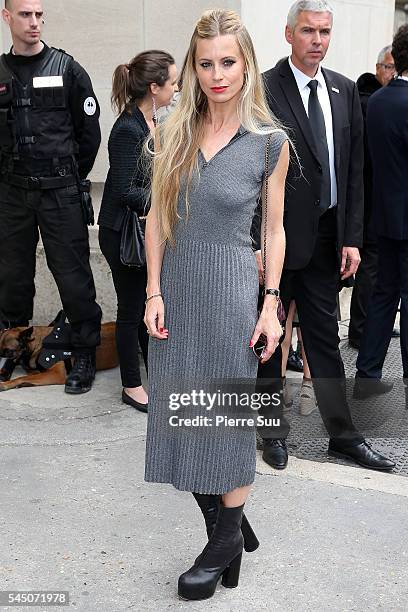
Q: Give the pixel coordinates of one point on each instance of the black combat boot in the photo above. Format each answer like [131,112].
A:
[220,557]
[82,375]
[209,505]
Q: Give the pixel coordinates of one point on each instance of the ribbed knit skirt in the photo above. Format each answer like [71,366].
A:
[210,295]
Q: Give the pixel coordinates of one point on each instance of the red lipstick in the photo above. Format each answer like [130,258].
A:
[219,89]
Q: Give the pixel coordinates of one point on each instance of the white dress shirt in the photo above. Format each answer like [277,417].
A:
[302,81]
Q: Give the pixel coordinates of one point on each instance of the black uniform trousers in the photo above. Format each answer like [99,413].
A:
[391,287]
[362,290]
[131,331]
[315,289]
[57,214]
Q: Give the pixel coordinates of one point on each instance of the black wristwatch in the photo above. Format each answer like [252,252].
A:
[274,292]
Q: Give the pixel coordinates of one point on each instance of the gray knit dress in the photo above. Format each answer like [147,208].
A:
[209,282]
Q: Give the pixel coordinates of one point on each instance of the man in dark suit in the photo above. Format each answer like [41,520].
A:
[367,85]
[387,132]
[323,220]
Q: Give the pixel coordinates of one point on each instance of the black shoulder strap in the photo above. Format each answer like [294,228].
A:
[56,62]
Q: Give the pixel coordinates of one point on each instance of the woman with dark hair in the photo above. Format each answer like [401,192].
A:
[139,89]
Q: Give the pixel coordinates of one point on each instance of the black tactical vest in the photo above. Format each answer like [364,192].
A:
[35,120]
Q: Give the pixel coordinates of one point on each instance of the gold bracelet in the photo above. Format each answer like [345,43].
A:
[153,296]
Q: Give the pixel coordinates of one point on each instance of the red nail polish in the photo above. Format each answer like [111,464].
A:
[161,330]
[251,344]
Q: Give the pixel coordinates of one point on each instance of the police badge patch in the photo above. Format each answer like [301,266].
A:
[90,106]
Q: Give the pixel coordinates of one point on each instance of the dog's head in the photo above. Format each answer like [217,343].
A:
[15,341]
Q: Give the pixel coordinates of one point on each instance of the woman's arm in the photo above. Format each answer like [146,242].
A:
[154,315]
[268,323]
[128,172]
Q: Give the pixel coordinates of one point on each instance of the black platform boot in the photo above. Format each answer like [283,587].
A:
[220,557]
[6,368]
[82,375]
[209,505]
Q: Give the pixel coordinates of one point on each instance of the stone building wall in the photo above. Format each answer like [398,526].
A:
[102,34]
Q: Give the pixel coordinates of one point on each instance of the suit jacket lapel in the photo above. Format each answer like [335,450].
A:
[337,107]
[291,92]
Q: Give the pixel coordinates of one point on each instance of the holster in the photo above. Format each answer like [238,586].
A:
[86,202]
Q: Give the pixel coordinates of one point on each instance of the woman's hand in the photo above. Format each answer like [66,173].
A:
[268,325]
[154,318]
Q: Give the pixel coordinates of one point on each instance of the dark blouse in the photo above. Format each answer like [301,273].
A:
[127,183]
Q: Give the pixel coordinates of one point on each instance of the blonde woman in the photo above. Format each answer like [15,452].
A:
[202,288]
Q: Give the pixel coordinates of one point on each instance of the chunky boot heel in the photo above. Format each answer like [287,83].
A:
[251,542]
[223,551]
[230,576]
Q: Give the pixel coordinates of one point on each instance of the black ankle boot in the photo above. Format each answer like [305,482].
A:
[6,368]
[220,557]
[209,505]
[82,375]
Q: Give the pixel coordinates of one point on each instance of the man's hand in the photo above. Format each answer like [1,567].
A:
[349,262]
[259,262]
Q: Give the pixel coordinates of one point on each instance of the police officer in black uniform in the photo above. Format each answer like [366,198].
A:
[49,138]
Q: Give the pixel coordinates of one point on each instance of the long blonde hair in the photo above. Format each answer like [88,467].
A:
[177,140]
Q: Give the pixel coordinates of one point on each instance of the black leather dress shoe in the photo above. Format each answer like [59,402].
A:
[370,387]
[395,333]
[126,399]
[275,453]
[362,454]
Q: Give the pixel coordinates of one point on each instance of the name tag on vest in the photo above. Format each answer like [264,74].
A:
[51,81]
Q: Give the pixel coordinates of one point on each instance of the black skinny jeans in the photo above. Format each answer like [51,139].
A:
[130,286]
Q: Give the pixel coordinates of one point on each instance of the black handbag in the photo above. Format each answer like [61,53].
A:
[132,241]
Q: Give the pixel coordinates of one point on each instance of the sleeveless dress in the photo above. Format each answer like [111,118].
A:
[209,282]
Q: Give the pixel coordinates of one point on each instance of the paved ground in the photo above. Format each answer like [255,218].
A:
[76,515]
[383,421]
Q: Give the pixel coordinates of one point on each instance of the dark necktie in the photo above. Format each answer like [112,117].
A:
[318,126]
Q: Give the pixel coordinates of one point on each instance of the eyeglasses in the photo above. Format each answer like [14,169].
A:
[388,66]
